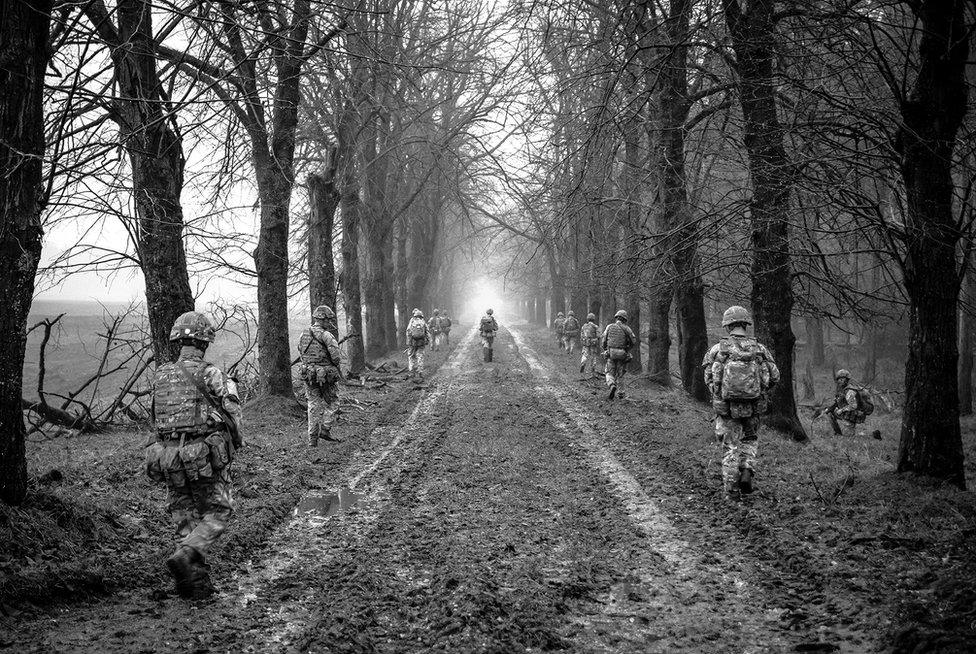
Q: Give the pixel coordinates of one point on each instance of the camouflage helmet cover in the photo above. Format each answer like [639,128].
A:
[559,315]
[489,312]
[621,314]
[571,314]
[437,312]
[842,374]
[323,312]
[417,313]
[193,325]
[591,316]
[736,314]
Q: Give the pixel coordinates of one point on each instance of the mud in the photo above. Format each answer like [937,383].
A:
[507,508]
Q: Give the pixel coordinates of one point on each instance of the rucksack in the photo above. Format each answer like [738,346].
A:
[445,323]
[571,326]
[865,403]
[488,324]
[417,329]
[741,362]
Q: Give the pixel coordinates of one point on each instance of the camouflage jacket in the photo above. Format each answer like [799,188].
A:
[847,405]
[177,404]
[618,335]
[769,375]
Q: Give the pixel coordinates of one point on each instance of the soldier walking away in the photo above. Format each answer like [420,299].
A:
[557,327]
[488,327]
[852,405]
[590,341]
[321,372]
[197,416]
[618,339]
[446,329]
[571,329]
[434,326]
[418,337]
[739,371]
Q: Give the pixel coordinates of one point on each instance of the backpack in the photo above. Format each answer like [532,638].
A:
[591,332]
[417,329]
[865,403]
[571,326]
[488,324]
[445,323]
[740,362]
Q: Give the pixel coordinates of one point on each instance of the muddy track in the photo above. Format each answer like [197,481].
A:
[494,516]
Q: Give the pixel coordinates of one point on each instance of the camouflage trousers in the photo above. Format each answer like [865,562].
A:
[570,343]
[323,404]
[739,445]
[415,359]
[447,338]
[590,354]
[851,429]
[614,371]
[438,341]
[486,343]
[201,510]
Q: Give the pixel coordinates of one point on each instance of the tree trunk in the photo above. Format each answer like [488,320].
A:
[156,156]
[815,342]
[769,170]
[351,303]
[931,443]
[24,56]
[634,321]
[323,200]
[659,337]
[689,294]
[967,334]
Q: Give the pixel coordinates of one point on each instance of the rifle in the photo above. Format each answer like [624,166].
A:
[829,412]
[232,428]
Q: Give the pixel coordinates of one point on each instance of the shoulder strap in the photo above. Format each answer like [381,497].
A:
[325,347]
[205,392]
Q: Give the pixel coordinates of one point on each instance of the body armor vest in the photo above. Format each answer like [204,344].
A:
[312,347]
[617,337]
[178,405]
[590,331]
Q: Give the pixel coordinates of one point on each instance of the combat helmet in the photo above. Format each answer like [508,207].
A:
[194,326]
[621,314]
[489,312]
[591,316]
[417,313]
[559,315]
[735,315]
[842,374]
[571,314]
[323,312]
[437,312]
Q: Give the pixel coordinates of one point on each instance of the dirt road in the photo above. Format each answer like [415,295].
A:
[495,517]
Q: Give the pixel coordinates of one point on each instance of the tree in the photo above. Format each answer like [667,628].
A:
[323,200]
[932,113]
[24,54]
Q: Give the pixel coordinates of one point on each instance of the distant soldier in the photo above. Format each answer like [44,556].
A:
[571,329]
[740,371]
[436,330]
[446,328]
[487,328]
[557,327]
[418,337]
[618,339]
[197,415]
[590,342]
[852,405]
[320,370]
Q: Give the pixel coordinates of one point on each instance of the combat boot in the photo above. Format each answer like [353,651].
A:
[487,355]
[182,567]
[613,391]
[201,587]
[491,354]
[582,367]
[745,481]
[313,437]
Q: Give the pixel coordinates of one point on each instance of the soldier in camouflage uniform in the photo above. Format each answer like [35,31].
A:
[487,329]
[197,416]
[739,371]
[418,337]
[590,342]
[321,372]
[557,327]
[618,339]
[571,328]
[847,409]
[434,326]
[446,328]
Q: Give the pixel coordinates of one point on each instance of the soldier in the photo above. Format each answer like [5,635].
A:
[446,328]
[557,327]
[852,405]
[434,326]
[571,329]
[418,337]
[320,371]
[488,327]
[618,339]
[196,413]
[739,371]
[590,341]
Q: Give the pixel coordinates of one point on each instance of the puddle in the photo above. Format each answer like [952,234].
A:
[326,505]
